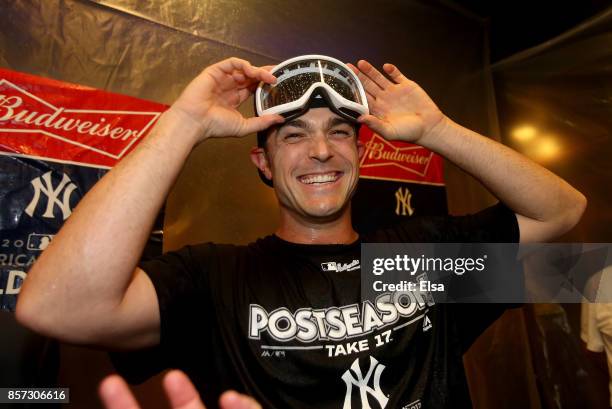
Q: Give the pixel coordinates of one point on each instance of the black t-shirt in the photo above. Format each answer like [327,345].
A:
[266,319]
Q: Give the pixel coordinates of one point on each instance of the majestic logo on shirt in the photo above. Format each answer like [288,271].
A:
[336,323]
[44,185]
[354,377]
[426,324]
[340,267]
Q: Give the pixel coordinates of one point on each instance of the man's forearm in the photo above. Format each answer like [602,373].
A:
[90,262]
[526,187]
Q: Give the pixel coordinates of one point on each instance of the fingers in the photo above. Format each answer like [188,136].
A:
[235,400]
[181,392]
[394,73]
[373,80]
[377,125]
[260,123]
[236,64]
[371,101]
[370,86]
[373,74]
[356,71]
[115,394]
[239,77]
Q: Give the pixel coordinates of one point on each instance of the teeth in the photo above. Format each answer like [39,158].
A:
[328,177]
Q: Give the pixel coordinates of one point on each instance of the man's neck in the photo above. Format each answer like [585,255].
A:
[296,229]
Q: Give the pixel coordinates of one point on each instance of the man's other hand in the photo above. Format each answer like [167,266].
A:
[400,109]
[115,394]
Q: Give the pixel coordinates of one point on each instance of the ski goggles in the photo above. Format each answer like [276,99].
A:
[305,82]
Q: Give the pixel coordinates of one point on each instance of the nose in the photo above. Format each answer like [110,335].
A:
[320,148]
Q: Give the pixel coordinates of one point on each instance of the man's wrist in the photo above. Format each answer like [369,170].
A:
[432,137]
[181,127]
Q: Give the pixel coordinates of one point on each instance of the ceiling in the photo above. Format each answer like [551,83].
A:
[519,24]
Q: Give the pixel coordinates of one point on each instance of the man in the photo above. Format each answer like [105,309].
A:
[265,319]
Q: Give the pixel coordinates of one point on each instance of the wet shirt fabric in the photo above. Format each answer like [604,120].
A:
[285,322]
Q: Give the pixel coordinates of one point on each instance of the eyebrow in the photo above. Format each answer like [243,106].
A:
[337,121]
[299,123]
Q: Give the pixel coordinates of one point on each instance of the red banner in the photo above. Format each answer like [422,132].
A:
[61,122]
[399,161]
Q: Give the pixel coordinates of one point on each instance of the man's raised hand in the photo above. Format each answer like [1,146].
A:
[399,108]
[212,99]
[115,394]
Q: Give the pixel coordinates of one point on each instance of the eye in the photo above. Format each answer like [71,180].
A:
[340,133]
[293,137]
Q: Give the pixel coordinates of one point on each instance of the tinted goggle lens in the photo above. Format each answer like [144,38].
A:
[295,79]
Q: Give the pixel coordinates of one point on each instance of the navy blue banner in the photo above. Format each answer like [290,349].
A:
[36,198]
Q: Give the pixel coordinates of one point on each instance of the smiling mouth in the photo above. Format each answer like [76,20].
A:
[320,178]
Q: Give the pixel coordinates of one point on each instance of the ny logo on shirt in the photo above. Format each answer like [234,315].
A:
[363,383]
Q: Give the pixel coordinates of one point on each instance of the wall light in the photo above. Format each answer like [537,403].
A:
[547,148]
[524,133]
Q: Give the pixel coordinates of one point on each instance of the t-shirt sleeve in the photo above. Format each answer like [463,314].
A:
[180,279]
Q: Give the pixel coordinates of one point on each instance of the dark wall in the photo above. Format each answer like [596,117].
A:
[554,104]
[562,90]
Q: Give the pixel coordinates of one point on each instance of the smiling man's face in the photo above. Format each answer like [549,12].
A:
[314,164]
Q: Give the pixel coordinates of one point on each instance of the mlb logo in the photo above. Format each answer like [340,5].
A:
[331,266]
[39,242]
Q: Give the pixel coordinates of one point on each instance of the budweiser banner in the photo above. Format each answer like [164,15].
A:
[46,119]
[398,180]
[398,161]
[56,141]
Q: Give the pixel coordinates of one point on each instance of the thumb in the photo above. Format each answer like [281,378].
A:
[377,125]
[259,123]
[235,400]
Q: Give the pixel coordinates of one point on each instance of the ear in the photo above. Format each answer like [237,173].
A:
[259,157]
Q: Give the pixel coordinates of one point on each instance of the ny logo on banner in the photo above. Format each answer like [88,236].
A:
[363,383]
[402,200]
[43,184]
